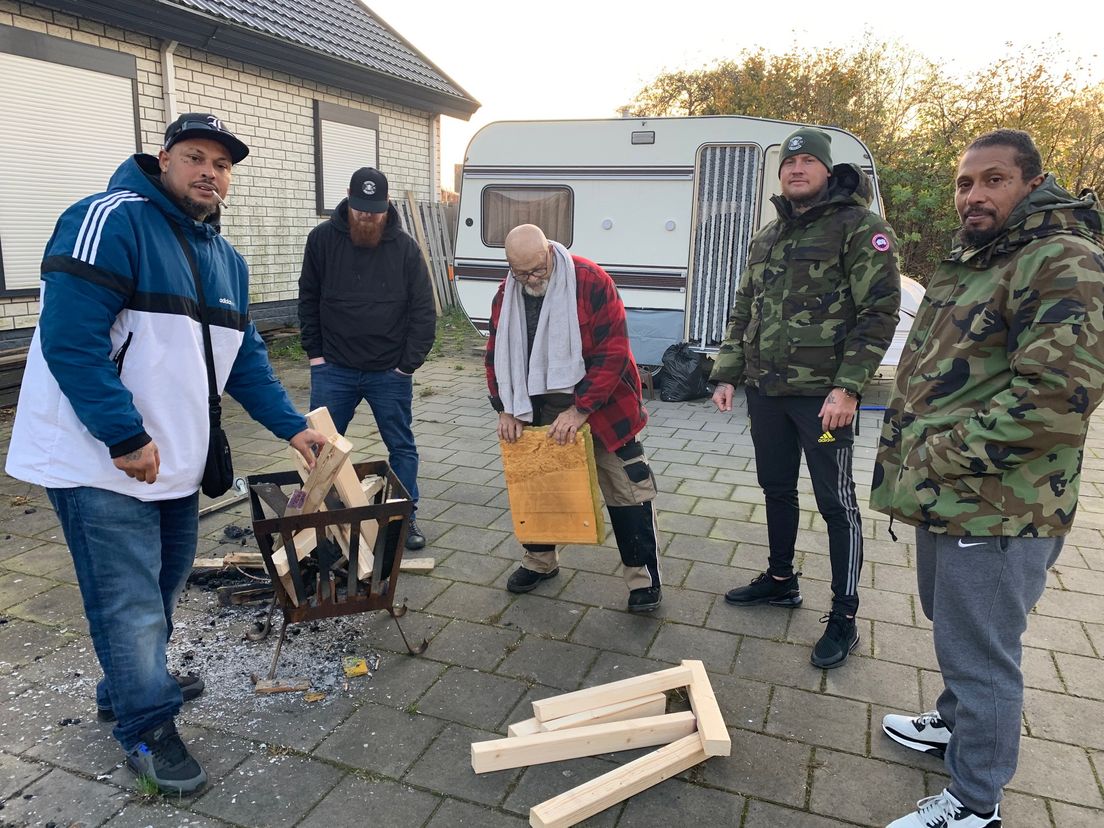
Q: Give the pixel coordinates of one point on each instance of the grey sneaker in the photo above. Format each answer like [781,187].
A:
[927,732]
[161,757]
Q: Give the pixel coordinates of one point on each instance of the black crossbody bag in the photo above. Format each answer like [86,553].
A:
[218,471]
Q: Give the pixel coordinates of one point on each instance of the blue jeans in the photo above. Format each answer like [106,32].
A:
[390,396]
[132,559]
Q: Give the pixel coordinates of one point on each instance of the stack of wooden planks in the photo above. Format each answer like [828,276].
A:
[622,715]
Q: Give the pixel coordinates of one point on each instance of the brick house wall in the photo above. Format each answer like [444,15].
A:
[272,197]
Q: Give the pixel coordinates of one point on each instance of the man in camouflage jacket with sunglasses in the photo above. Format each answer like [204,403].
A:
[982,449]
[814,313]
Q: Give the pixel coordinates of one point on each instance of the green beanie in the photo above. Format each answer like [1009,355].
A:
[809,141]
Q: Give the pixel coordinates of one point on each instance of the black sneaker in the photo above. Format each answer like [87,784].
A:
[160,757]
[766,590]
[839,639]
[190,687]
[645,599]
[414,537]
[526,580]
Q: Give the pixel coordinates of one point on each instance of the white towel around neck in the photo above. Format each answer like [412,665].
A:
[556,363]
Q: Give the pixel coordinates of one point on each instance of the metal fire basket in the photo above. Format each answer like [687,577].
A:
[336,590]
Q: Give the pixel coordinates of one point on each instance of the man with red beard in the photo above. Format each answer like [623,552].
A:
[367,321]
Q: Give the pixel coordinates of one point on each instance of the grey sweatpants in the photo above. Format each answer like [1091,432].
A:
[977,592]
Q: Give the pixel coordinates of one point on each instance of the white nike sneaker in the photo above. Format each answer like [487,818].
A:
[927,733]
[944,811]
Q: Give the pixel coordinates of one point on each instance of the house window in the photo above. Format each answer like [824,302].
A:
[345,140]
[70,111]
[550,208]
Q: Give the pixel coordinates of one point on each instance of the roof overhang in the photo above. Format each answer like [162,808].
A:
[168,21]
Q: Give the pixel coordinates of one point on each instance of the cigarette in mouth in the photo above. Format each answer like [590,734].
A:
[221,200]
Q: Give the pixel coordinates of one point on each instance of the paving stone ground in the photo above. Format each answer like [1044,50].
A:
[393,749]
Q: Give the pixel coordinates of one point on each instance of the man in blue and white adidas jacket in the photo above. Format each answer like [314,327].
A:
[113,413]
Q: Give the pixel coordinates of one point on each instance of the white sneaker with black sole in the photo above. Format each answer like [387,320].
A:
[944,811]
[927,733]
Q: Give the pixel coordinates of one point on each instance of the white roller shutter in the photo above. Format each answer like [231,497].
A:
[65,132]
[345,149]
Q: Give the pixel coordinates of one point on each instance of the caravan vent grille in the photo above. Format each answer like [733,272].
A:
[727,177]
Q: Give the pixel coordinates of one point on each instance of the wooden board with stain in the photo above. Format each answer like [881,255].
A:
[553,489]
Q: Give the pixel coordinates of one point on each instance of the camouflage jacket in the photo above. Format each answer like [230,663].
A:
[817,304]
[985,432]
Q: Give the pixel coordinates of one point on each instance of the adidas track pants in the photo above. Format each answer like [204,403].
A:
[782,428]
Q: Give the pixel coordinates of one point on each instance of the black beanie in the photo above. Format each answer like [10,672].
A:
[809,141]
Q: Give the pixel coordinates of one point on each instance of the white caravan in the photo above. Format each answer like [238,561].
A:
[666,205]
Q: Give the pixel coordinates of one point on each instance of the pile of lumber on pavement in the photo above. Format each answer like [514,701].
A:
[622,715]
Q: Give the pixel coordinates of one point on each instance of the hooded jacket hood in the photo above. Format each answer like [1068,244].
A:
[1048,210]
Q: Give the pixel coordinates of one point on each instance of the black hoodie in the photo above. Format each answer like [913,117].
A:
[365,308]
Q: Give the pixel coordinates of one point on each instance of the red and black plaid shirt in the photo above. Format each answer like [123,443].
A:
[610,391]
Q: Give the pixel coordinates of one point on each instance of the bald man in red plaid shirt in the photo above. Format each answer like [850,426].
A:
[604,391]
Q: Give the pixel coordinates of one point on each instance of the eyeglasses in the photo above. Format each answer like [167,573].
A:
[526,275]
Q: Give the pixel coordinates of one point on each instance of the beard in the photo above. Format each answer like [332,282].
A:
[366,233]
[979,238]
[539,289]
[804,203]
[197,211]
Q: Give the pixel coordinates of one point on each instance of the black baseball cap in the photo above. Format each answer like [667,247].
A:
[368,191]
[205,125]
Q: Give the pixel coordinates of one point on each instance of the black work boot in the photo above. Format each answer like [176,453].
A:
[190,687]
[526,580]
[160,757]
[645,599]
[839,639]
[766,590]
[414,537]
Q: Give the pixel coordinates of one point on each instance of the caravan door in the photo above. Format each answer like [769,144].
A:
[726,187]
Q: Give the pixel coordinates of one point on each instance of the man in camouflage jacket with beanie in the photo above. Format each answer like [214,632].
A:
[982,447]
[814,313]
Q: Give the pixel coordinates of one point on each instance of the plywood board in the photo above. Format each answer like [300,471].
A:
[574,743]
[593,797]
[554,496]
[578,701]
[711,726]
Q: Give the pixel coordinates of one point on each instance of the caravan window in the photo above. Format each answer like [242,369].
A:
[550,208]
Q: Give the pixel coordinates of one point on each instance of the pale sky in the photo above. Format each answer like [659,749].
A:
[586,58]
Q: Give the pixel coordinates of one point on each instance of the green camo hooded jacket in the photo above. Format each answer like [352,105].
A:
[817,304]
[985,432]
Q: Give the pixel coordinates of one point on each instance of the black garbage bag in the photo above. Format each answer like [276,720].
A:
[685,374]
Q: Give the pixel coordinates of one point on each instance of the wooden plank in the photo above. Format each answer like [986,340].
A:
[265,687]
[417,564]
[616,691]
[352,495]
[711,726]
[593,797]
[254,559]
[327,465]
[208,563]
[526,727]
[576,742]
[419,232]
[653,705]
